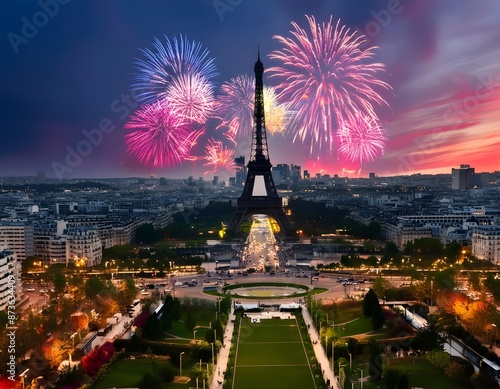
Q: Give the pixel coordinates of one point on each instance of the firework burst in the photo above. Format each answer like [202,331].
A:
[190,96]
[176,58]
[218,157]
[160,138]
[277,116]
[325,77]
[361,139]
[235,108]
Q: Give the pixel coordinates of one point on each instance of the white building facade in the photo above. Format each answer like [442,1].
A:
[486,243]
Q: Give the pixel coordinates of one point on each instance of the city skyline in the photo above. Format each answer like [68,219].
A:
[68,72]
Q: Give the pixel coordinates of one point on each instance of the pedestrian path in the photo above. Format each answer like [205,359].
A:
[223,355]
[319,351]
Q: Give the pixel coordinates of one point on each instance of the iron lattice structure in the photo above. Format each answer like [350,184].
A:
[259,164]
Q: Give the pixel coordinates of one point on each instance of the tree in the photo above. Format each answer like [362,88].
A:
[190,321]
[452,252]
[428,248]
[59,281]
[474,281]
[378,318]
[429,337]
[445,279]
[93,286]
[147,234]
[380,285]
[391,251]
[370,302]
[152,329]
[127,292]
[493,285]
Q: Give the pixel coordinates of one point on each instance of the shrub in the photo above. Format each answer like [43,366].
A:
[467,366]
[391,377]
[439,358]
[149,380]
[94,360]
[492,356]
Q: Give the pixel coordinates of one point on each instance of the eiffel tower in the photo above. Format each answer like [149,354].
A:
[253,201]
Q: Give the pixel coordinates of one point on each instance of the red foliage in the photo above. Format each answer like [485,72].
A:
[94,360]
[5,383]
[141,320]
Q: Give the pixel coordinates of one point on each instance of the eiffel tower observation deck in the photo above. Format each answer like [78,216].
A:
[259,196]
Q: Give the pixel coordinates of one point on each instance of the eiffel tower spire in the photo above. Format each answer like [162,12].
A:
[252,201]
[259,150]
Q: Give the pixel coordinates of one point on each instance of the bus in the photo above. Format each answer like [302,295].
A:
[492,368]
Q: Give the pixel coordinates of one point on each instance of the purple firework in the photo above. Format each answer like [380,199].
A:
[176,58]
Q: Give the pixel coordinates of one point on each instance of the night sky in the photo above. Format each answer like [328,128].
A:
[75,70]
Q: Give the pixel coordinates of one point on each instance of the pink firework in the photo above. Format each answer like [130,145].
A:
[161,138]
[361,139]
[326,77]
[191,97]
[234,106]
[218,157]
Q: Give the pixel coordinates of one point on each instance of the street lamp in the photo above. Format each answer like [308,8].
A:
[333,357]
[431,294]
[181,363]
[361,380]
[495,326]
[350,362]
[194,335]
[22,375]
[213,355]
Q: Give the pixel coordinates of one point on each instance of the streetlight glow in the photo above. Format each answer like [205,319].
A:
[180,370]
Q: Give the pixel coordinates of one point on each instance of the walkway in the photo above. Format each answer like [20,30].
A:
[223,355]
[323,360]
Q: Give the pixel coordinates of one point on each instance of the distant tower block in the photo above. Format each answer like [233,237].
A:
[259,195]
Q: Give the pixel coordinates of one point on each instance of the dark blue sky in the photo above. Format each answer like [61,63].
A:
[75,70]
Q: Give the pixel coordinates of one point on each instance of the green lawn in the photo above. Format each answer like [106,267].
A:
[421,374]
[126,373]
[358,326]
[270,354]
[345,311]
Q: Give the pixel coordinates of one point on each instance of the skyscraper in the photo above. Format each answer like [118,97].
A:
[462,178]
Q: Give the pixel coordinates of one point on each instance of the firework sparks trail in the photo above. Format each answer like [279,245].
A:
[218,157]
[177,57]
[235,108]
[325,78]
[161,138]
[277,116]
[190,96]
[361,139]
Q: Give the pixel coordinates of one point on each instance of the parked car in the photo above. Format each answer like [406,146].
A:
[30,289]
